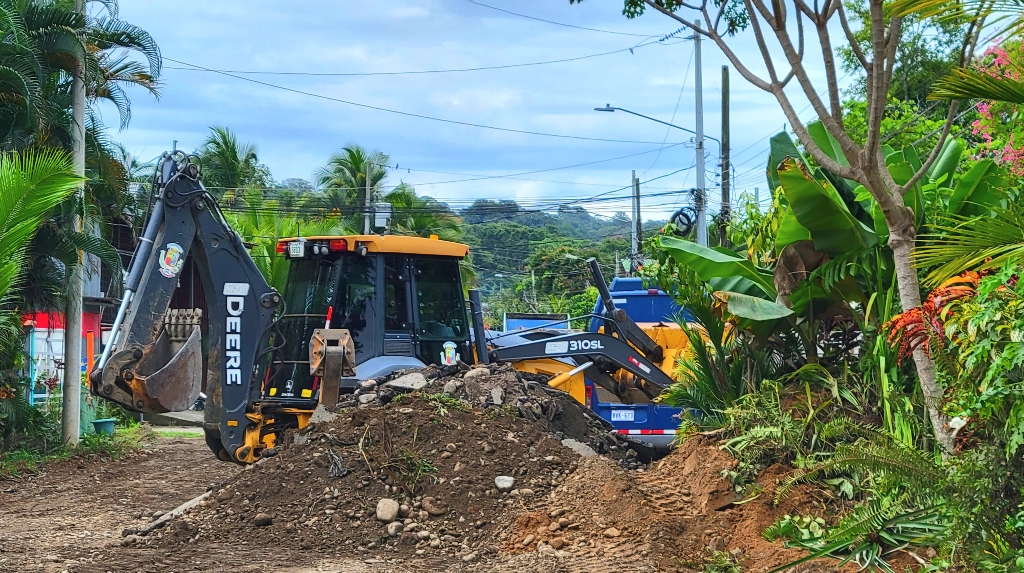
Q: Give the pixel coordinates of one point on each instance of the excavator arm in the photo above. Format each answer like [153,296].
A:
[153,360]
[622,346]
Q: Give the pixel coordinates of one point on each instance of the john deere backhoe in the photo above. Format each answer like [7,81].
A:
[355,307]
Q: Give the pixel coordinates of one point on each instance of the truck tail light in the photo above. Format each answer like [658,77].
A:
[338,245]
[280,247]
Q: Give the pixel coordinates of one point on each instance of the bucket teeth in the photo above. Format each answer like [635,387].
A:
[179,323]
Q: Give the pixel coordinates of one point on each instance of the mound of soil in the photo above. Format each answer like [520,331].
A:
[671,518]
[501,386]
[435,464]
[472,471]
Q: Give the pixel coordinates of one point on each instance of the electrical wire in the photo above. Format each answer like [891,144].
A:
[419,115]
[686,75]
[528,17]
[406,72]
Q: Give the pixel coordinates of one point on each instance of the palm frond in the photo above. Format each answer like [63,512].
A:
[107,33]
[970,84]
[976,243]
[31,184]
[1007,16]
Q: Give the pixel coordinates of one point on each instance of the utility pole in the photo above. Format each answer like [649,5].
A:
[533,288]
[366,202]
[638,260]
[71,400]
[701,198]
[723,225]
[633,228]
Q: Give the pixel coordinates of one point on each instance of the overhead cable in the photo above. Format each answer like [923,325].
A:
[417,115]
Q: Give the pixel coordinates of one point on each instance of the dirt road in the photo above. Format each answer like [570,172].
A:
[55,520]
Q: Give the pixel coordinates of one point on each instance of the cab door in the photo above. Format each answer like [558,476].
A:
[441,325]
[399,331]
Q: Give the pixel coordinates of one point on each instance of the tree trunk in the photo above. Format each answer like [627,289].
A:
[901,240]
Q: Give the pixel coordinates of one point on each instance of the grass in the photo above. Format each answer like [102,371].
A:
[179,434]
[126,440]
[443,402]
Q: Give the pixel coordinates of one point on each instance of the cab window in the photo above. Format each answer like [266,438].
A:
[396,295]
[442,314]
[354,299]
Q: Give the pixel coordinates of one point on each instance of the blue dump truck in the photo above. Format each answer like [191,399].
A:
[643,419]
[618,366]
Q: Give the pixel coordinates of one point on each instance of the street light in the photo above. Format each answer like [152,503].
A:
[701,205]
[608,107]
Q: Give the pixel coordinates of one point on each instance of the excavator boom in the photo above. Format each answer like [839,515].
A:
[153,361]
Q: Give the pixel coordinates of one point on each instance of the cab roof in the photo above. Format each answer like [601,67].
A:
[397,244]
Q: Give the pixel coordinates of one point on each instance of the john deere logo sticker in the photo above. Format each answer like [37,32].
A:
[171,260]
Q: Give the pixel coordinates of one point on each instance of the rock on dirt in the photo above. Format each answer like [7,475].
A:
[433,507]
[504,483]
[387,510]
[579,447]
[263,520]
[476,373]
[411,382]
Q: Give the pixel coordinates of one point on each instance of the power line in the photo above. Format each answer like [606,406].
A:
[481,178]
[416,115]
[528,17]
[675,110]
[407,72]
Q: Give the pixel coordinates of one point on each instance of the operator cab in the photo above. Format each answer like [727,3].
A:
[400,298]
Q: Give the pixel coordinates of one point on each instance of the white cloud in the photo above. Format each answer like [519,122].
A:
[295,133]
[408,12]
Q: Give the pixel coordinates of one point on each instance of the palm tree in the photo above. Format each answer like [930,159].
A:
[228,164]
[32,184]
[421,216]
[43,44]
[342,182]
[260,222]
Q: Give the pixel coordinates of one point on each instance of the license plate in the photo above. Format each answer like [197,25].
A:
[622,415]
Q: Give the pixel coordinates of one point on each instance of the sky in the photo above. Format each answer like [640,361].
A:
[297,121]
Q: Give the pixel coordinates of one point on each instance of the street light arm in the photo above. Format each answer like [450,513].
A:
[610,108]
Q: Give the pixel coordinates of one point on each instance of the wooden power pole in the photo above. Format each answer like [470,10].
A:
[71,400]
[723,224]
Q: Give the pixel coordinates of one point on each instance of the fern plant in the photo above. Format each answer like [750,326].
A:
[871,533]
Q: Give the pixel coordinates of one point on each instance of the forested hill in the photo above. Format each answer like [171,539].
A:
[570,222]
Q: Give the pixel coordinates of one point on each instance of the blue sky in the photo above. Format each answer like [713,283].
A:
[295,133]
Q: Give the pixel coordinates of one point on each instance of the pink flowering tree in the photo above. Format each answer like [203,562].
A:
[998,125]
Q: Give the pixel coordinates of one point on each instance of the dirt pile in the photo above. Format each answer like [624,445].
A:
[671,518]
[454,469]
[418,477]
[501,386]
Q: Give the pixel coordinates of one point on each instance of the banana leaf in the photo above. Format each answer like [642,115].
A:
[820,209]
[711,264]
[824,140]
[978,190]
[782,146]
[941,172]
[790,230]
[758,316]
[752,307]
[828,144]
